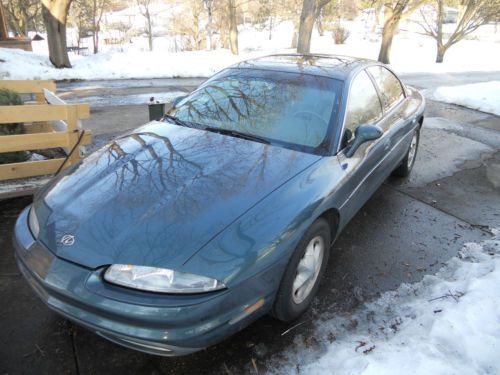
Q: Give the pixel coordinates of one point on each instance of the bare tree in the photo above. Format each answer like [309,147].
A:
[330,15]
[472,15]
[186,22]
[209,6]
[87,17]
[144,9]
[55,13]
[23,14]
[311,10]
[267,12]
[394,12]
[98,7]
[233,26]
[79,18]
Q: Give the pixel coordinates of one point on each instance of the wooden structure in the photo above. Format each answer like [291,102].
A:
[49,123]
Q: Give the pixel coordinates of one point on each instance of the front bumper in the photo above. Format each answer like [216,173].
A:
[152,323]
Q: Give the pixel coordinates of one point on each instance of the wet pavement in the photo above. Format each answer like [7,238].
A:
[407,230]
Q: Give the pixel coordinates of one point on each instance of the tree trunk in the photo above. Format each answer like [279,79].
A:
[391,24]
[319,25]
[54,14]
[233,27]
[96,41]
[210,27]
[271,25]
[295,36]
[95,36]
[306,26]
[3,24]
[441,50]
[150,31]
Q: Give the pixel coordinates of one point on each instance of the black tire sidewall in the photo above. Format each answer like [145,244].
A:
[285,308]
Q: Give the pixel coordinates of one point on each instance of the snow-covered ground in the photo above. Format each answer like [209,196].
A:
[446,324]
[114,100]
[482,96]
[411,52]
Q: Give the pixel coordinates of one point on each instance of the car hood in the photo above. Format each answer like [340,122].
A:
[156,196]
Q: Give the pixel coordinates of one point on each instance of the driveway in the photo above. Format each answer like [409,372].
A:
[407,230]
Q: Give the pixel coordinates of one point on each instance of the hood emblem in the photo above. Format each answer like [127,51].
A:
[68,240]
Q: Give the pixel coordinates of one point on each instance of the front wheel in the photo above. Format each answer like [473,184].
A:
[406,165]
[303,273]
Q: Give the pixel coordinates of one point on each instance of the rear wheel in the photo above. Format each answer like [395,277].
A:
[406,165]
[303,273]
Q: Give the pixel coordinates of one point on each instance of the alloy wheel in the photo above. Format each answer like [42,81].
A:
[308,269]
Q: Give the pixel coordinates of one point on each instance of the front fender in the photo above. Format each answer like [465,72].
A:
[264,238]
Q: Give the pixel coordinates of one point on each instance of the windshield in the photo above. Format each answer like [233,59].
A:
[291,109]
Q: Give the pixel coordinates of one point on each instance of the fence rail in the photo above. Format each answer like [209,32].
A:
[49,123]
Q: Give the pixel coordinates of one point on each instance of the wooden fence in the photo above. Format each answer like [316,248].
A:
[49,123]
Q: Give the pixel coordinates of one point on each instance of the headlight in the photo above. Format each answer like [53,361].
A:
[160,279]
[33,222]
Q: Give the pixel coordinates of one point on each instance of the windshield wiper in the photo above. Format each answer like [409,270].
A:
[236,133]
[177,121]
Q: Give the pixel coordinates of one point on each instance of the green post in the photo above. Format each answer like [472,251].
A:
[156,111]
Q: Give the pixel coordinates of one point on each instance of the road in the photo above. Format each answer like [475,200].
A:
[407,230]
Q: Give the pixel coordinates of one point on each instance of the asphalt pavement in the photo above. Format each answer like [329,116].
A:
[407,230]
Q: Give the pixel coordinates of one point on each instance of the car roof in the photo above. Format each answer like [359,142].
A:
[333,66]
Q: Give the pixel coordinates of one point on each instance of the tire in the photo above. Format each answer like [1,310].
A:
[291,302]
[404,169]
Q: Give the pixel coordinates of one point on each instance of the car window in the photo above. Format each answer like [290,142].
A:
[363,106]
[291,109]
[389,85]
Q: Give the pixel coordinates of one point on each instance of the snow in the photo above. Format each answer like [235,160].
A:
[448,323]
[130,99]
[114,65]
[411,53]
[483,96]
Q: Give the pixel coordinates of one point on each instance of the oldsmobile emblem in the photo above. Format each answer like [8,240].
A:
[68,240]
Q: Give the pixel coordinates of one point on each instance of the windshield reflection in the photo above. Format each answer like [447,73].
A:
[291,109]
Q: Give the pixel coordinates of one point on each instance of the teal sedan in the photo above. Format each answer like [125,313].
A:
[182,232]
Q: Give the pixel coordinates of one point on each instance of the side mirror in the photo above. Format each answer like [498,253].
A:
[177,100]
[363,133]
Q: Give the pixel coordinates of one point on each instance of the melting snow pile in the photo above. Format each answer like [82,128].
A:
[484,96]
[446,324]
[18,64]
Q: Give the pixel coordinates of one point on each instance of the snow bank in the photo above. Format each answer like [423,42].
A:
[483,96]
[18,64]
[446,324]
[411,53]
